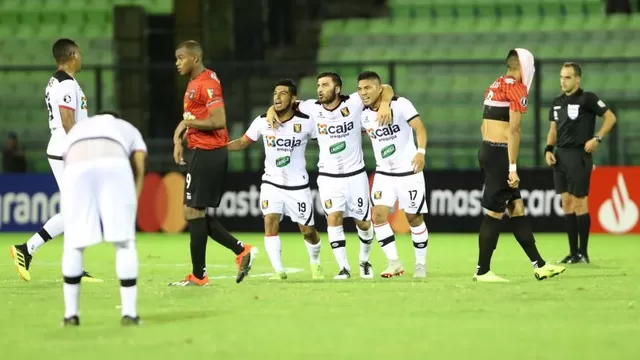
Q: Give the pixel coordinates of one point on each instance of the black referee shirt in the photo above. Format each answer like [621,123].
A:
[575,116]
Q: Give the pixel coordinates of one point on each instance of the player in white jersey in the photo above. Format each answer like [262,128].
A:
[67,105]
[398,175]
[342,181]
[285,184]
[102,179]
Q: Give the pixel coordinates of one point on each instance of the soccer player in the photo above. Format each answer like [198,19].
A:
[573,121]
[505,102]
[67,105]
[342,181]
[102,180]
[285,184]
[205,125]
[398,175]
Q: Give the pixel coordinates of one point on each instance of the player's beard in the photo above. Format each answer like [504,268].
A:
[284,111]
[330,99]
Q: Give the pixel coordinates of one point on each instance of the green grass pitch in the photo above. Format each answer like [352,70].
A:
[589,312]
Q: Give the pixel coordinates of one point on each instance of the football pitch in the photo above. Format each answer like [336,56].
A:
[589,312]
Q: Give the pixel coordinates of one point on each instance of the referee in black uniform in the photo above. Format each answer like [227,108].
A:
[572,132]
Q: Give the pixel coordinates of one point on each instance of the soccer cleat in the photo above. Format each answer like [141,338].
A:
[393,269]
[191,280]
[342,275]
[420,272]
[548,271]
[489,277]
[22,260]
[244,262]
[88,278]
[71,321]
[280,275]
[317,273]
[366,270]
[585,259]
[571,259]
[130,321]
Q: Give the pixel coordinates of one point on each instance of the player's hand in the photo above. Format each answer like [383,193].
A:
[550,158]
[178,151]
[272,118]
[418,163]
[176,134]
[514,179]
[384,116]
[591,146]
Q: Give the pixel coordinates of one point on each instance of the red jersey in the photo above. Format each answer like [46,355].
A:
[204,93]
[506,93]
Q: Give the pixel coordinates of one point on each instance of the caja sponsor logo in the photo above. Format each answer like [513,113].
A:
[325,129]
[383,132]
[273,141]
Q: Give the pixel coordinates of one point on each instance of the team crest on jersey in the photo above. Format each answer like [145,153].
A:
[265,204]
[83,103]
[297,128]
[377,195]
[328,204]
[573,111]
[345,111]
[210,93]
[192,94]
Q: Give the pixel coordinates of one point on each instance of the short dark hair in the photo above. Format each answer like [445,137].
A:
[293,89]
[62,49]
[334,77]
[109,112]
[369,75]
[577,70]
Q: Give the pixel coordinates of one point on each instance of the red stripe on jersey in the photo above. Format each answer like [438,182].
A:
[66,107]
[248,138]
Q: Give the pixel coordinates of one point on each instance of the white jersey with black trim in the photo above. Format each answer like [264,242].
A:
[285,165]
[339,135]
[109,128]
[393,145]
[63,91]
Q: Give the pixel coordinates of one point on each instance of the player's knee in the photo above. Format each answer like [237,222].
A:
[193,213]
[271,224]
[363,225]
[567,203]
[380,214]
[334,219]
[516,208]
[415,220]
[580,205]
[309,233]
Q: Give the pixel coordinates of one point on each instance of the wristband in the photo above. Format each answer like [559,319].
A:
[422,151]
[549,148]
[512,168]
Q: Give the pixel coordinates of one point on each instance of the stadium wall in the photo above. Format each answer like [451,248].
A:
[453,197]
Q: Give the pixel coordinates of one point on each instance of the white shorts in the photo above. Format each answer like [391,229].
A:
[409,191]
[98,193]
[296,204]
[54,153]
[350,195]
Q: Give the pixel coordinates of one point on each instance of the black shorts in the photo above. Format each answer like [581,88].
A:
[494,163]
[205,177]
[572,171]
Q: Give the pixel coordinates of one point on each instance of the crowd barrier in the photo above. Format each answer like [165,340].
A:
[454,200]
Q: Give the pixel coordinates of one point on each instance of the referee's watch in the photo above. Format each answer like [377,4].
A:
[598,138]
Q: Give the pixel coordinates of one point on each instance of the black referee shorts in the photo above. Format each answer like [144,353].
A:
[494,163]
[572,171]
[205,177]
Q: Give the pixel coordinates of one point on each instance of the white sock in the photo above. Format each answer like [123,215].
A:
[127,271]
[52,228]
[420,237]
[338,245]
[366,238]
[274,250]
[72,272]
[314,252]
[387,240]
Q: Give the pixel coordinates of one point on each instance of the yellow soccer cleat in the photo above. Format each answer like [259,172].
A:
[317,273]
[88,278]
[22,260]
[280,275]
[489,277]
[548,271]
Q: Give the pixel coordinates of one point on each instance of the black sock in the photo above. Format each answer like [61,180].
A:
[199,231]
[584,226]
[523,233]
[487,242]
[571,225]
[44,234]
[222,236]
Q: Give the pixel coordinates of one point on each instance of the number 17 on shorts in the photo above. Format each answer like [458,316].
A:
[409,191]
